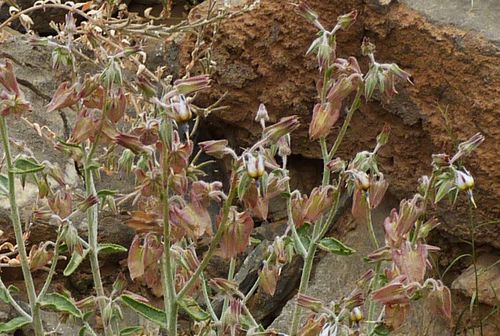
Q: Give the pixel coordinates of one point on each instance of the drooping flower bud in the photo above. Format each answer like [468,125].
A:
[467,147]
[262,116]
[181,110]
[464,180]
[336,165]
[8,78]
[255,165]
[346,20]
[309,14]
[318,203]
[216,148]
[284,126]
[284,146]
[309,302]
[12,104]
[61,203]
[131,142]
[383,136]
[367,48]
[191,85]
[324,117]
[356,315]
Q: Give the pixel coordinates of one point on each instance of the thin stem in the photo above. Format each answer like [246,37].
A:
[374,282]
[206,297]
[53,266]
[230,277]
[354,106]
[304,282]
[13,302]
[426,199]
[472,227]
[214,243]
[93,223]
[167,267]
[18,231]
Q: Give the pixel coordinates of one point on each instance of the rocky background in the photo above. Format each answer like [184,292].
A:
[453,56]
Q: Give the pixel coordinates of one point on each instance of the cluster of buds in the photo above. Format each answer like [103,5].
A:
[12,101]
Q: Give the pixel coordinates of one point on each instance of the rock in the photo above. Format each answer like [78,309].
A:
[335,276]
[488,270]
[260,58]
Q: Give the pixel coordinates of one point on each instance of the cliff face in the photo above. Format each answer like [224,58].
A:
[260,58]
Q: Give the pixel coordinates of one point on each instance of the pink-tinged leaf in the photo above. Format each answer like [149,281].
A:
[392,293]
[411,262]
[320,200]
[83,130]
[378,187]
[8,78]
[253,200]
[269,279]
[135,258]
[323,118]
[64,96]
[236,236]
[395,315]
[360,208]
[194,219]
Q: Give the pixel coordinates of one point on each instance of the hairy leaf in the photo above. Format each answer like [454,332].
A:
[61,303]
[14,324]
[335,246]
[151,313]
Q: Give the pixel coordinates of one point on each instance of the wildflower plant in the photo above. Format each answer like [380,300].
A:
[141,122]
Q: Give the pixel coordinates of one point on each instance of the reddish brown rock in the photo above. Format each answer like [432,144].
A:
[260,58]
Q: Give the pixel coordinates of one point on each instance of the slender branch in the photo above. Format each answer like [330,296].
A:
[53,266]
[18,231]
[215,241]
[354,106]
[13,302]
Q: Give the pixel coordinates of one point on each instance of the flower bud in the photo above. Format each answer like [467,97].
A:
[12,104]
[225,286]
[467,147]
[361,179]
[324,117]
[356,315]
[383,136]
[192,84]
[131,142]
[367,48]
[336,165]
[284,146]
[180,109]
[284,126]
[8,78]
[87,203]
[255,166]
[346,20]
[215,148]
[262,116]
[309,302]
[309,14]
[464,180]
[61,203]
[126,160]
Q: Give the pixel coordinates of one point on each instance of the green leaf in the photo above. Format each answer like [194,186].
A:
[243,185]
[192,308]
[130,331]
[444,189]
[304,233]
[25,165]
[3,294]
[335,246]
[380,330]
[14,324]
[4,185]
[61,303]
[74,262]
[111,248]
[153,314]
[105,193]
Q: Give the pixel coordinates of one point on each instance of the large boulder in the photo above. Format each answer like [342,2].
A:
[260,58]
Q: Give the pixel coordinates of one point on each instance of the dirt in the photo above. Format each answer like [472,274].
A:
[260,58]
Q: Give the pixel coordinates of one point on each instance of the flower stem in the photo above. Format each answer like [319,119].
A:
[18,231]
[167,267]
[354,106]
[472,228]
[93,223]
[215,241]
